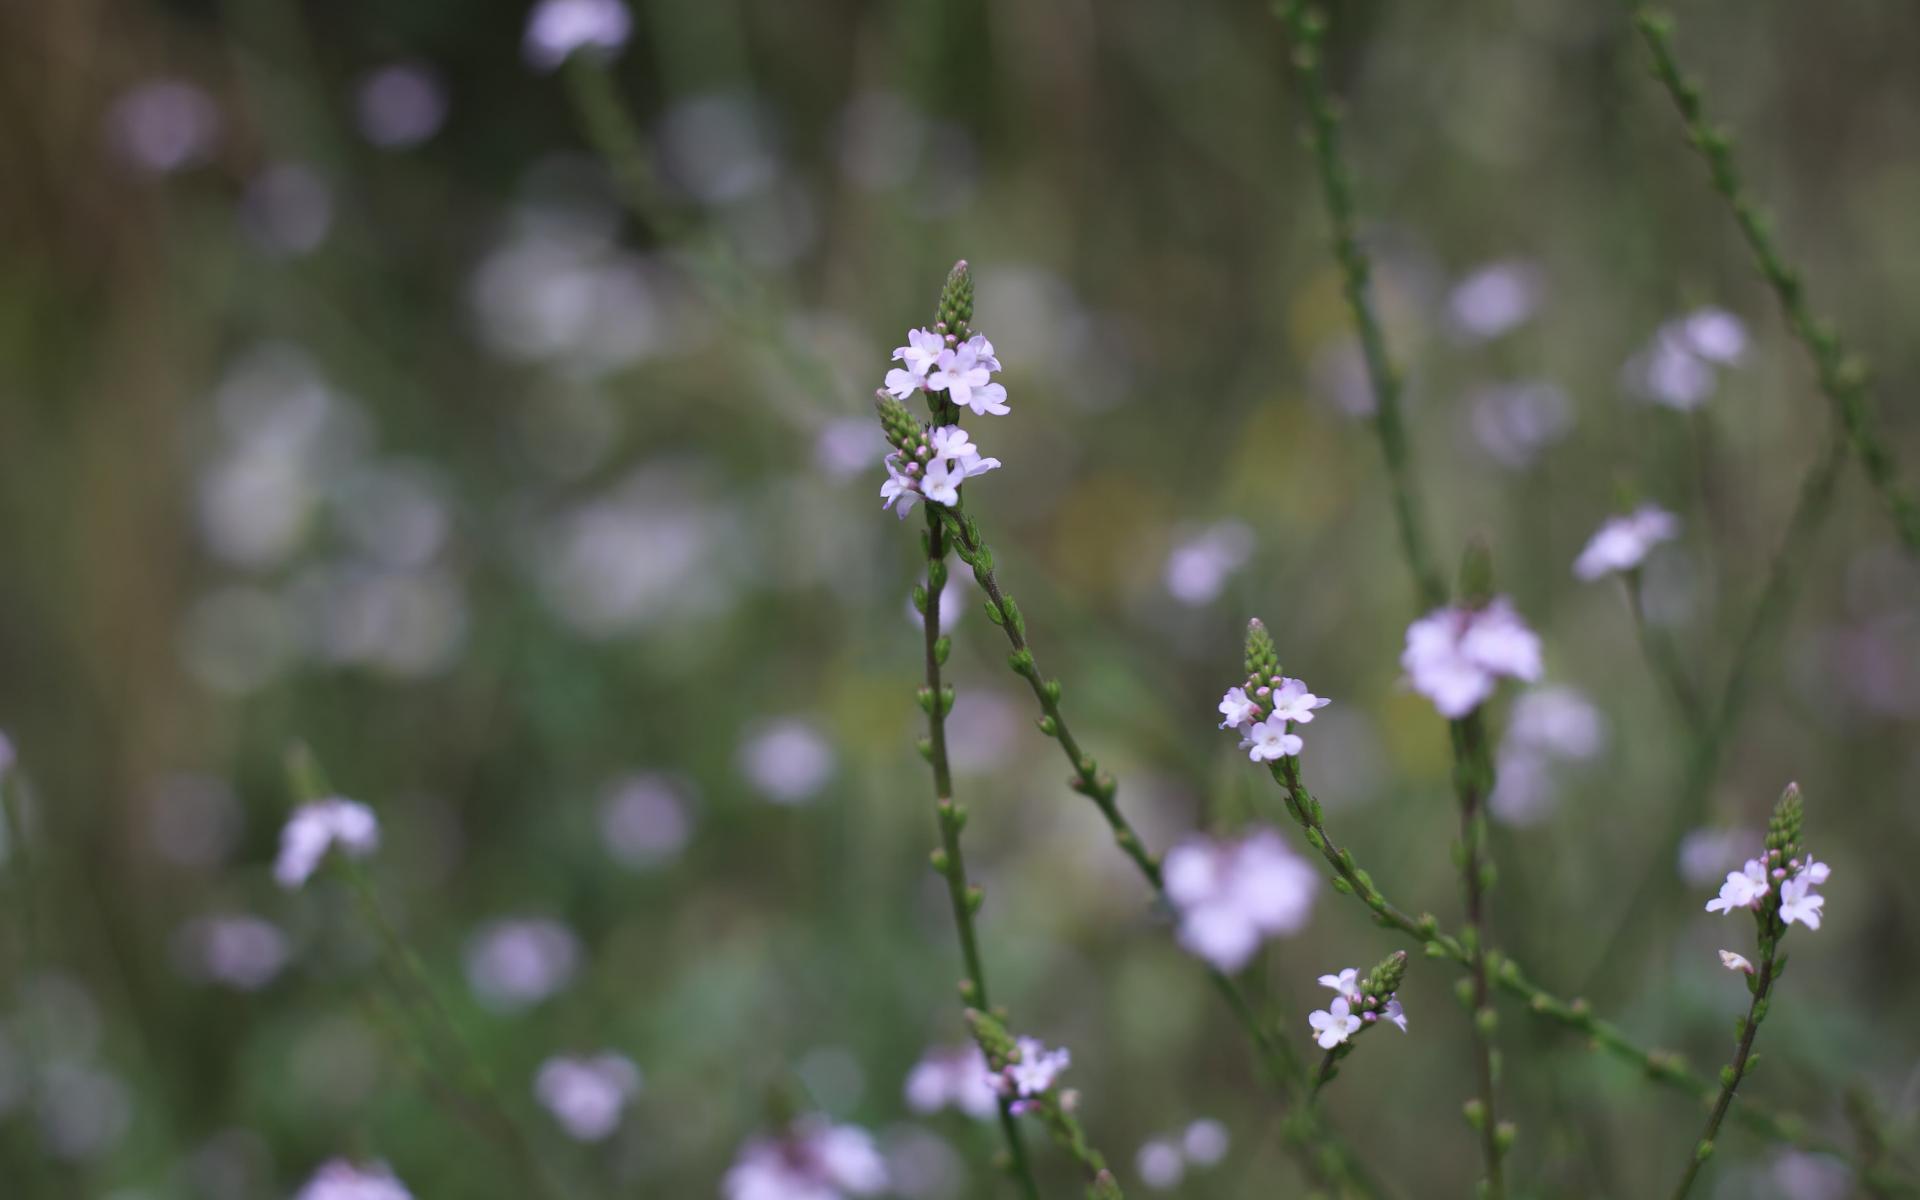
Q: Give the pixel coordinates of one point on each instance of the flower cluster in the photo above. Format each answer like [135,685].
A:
[338,1179]
[1162,1161]
[813,1158]
[1231,895]
[1029,1073]
[1623,543]
[1678,366]
[1359,1003]
[956,1076]
[953,368]
[1549,726]
[1778,886]
[587,1095]
[1261,709]
[318,826]
[1456,655]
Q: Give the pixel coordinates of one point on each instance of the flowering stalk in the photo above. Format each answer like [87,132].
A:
[1006,1057]
[1361,1005]
[1773,909]
[1842,377]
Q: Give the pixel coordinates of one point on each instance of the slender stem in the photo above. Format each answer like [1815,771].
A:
[1665,661]
[964,898]
[1842,377]
[1737,1069]
[1308,31]
[1473,779]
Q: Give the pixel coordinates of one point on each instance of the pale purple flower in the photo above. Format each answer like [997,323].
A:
[1197,569]
[1735,962]
[316,827]
[516,963]
[164,125]
[1237,709]
[1293,702]
[558,28]
[1335,1024]
[1495,298]
[1035,1071]
[1705,854]
[983,351]
[1229,896]
[587,1095]
[965,376]
[401,105]
[951,441]
[237,950]
[1557,720]
[1623,543]
[1159,1164]
[813,1159]
[956,1076]
[1455,656]
[1514,422]
[900,491]
[1743,888]
[1346,983]
[339,1179]
[1271,884]
[1799,903]
[644,820]
[1677,368]
[921,352]
[1205,1142]
[1393,1012]
[1816,872]
[1715,335]
[788,760]
[1269,740]
[901,385]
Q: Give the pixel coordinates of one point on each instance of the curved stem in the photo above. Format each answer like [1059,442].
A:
[1736,1070]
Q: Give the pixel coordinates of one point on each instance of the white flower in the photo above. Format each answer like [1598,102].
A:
[941,483]
[1205,1142]
[899,491]
[951,441]
[1623,543]
[1220,932]
[812,1160]
[1715,335]
[1495,298]
[957,1076]
[239,951]
[1270,884]
[1159,1164]
[1267,740]
[1395,1013]
[1742,889]
[963,373]
[983,351]
[1735,962]
[1455,656]
[1335,1024]
[1293,702]
[921,351]
[557,28]
[1799,903]
[317,826]
[586,1095]
[339,1179]
[516,963]
[1346,983]
[1037,1069]
[902,384]
[1237,709]
[1815,872]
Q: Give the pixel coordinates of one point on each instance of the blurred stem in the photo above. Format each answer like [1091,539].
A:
[1314,1145]
[1842,377]
[1472,780]
[1743,1051]
[1308,30]
[612,132]
[1663,660]
[936,699]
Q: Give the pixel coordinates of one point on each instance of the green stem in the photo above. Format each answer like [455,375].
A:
[1473,779]
[963,897]
[1843,378]
[1737,1069]
[1665,661]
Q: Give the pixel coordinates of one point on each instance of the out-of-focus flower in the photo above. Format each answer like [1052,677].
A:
[644,820]
[1514,422]
[1715,335]
[1548,726]
[288,208]
[717,148]
[1495,298]
[316,827]
[1705,854]
[982,728]
[1160,1164]
[846,447]
[395,512]
[1334,1024]
[516,963]
[1231,895]
[237,950]
[586,1095]
[557,29]
[813,1159]
[787,760]
[1198,567]
[1236,709]
[922,1165]
[1677,368]
[1735,962]
[404,623]
[400,105]
[1032,1073]
[1455,656]
[1623,543]
[84,1111]
[1802,1176]
[956,1076]
[163,125]
[1205,1142]
[339,1179]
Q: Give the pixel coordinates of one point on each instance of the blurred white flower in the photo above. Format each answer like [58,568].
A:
[400,105]
[1548,726]
[395,511]
[644,820]
[1623,543]
[956,1076]
[316,827]
[1198,567]
[921,1165]
[288,208]
[1735,962]
[1159,1164]
[1495,298]
[237,950]
[982,730]
[1455,656]
[339,1179]
[1802,1176]
[1033,1073]
[404,623]
[787,760]
[1706,853]
[84,1111]
[813,1159]
[558,28]
[953,601]
[1230,895]
[1715,335]
[847,447]
[586,1095]
[649,550]
[1334,1024]
[1205,1142]
[163,125]
[518,962]
[1677,368]
[1514,422]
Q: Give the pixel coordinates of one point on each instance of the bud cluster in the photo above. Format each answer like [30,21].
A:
[1360,1003]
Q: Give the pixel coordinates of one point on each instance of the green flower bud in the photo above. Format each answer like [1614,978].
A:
[956,302]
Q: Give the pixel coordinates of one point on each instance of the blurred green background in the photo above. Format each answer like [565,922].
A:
[341,400]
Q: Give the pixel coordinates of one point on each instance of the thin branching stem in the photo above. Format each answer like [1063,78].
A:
[1736,1070]
[1842,377]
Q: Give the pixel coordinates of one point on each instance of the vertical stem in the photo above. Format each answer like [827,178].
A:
[1473,779]
[1660,655]
[952,818]
[1737,1069]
